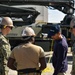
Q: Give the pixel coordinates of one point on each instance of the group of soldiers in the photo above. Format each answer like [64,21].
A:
[5,48]
[24,58]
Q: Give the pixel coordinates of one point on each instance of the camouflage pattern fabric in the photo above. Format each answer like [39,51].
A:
[4,54]
[73,64]
[73,54]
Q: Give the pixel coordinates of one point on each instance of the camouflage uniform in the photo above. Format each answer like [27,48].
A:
[73,54]
[4,53]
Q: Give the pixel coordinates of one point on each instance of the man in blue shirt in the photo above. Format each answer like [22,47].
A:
[60,48]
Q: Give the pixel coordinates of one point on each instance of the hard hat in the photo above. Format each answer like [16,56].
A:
[28,31]
[7,21]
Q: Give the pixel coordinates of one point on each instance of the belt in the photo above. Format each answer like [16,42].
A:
[29,70]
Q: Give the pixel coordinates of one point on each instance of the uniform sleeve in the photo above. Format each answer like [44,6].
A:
[42,53]
[73,48]
[5,48]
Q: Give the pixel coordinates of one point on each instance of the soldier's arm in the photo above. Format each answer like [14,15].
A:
[42,60]
[4,48]
[43,63]
[11,63]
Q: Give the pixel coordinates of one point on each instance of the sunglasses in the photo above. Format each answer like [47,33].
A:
[9,27]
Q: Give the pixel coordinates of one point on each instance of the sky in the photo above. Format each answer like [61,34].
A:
[55,16]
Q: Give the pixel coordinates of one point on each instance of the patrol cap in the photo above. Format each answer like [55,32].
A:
[7,21]
[28,31]
[53,30]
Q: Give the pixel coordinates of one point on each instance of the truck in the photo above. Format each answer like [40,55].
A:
[26,16]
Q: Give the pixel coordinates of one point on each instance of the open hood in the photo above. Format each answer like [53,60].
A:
[66,6]
[27,14]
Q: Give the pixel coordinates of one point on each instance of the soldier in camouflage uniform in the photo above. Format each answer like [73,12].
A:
[6,26]
[72,25]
